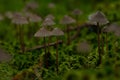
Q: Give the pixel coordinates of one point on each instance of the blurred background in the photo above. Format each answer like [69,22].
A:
[73,65]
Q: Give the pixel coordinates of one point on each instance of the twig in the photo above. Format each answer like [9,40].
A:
[43,46]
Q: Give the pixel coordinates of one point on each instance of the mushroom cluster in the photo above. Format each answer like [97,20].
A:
[43,32]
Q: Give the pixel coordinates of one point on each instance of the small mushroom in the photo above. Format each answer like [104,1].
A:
[50,16]
[48,22]
[51,5]
[19,20]
[83,47]
[31,6]
[4,57]
[43,32]
[67,20]
[34,20]
[112,27]
[33,17]
[57,32]
[9,14]
[77,12]
[98,19]
[1,17]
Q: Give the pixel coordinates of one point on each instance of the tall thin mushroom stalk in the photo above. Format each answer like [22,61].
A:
[43,32]
[57,32]
[67,20]
[19,20]
[99,19]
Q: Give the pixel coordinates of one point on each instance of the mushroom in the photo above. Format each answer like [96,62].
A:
[83,47]
[98,19]
[43,32]
[1,17]
[76,13]
[4,57]
[31,5]
[51,5]
[66,20]
[33,18]
[48,23]
[112,27]
[19,21]
[9,14]
[57,32]
[50,16]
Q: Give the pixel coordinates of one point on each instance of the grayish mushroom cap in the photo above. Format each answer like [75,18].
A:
[1,17]
[51,5]
[4,57]
[48,22]
[98,17]
[42,32]
[67,20]
[19,19]
[77,12]
[50,16]
[57,32]
[112,27]
[83,47]
[117,33]
[32,5]
[9,15]
[33,17]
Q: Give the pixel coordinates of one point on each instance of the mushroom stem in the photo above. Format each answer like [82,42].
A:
[99,52]
[46,60]
[57,56]
[102,41]
[31,31]
[48,48]
[68,35]
[106,40]
[21,38]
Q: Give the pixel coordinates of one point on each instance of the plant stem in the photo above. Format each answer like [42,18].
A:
[99,52]
[102,41]
[46,57]
[106,40]
[68,35]
[21,38]
[48,48]
[57,56]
